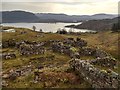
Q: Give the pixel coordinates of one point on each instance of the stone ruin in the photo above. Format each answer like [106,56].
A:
[66,45]
[87,51]
[75,43]
[92,73]
[96,77]
[59,47]
[97,53]
[29,49]
[104,62]
[8,56]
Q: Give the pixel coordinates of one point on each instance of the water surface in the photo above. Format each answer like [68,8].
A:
[47,27]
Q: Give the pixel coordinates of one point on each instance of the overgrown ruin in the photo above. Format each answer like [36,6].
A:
[74,48]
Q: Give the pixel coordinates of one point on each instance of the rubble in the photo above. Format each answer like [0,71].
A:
[97,53]
[8,56]
[59,47]
[87,51]
[96,77]
[28,49]
[105,62]
[76,43]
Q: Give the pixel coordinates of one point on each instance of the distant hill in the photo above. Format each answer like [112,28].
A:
[18,16]
[23,16]
[98,25]
[73,18]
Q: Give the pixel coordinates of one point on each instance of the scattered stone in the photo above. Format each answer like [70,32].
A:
[8,56]
[100,53]
[87,51]
[58,47]
[76,43]
[28,49]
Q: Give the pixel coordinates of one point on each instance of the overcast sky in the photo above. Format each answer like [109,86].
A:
[71,7]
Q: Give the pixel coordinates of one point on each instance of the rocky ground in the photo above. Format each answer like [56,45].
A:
[42,60]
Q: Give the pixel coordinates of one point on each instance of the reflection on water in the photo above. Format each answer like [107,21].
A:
[47,27]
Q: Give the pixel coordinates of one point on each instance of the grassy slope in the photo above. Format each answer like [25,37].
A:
[57,63]
[30,35]
[105,40]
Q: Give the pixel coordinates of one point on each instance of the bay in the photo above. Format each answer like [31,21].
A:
[47,27]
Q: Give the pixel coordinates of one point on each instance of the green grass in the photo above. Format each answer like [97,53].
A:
[30,35]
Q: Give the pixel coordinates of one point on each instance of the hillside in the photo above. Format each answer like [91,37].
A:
[52,65]
[18,16]
[23,16]
[98,25]
[73,18]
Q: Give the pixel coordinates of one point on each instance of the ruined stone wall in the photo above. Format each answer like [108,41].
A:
[104,62]
[75,43]
[96,77]
[28,49]
[58,47]
[98,53]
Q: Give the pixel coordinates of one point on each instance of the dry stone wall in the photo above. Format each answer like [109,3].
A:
[59,47]
[104,62]
[96,77]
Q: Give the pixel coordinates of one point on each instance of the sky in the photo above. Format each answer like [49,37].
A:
[70,7]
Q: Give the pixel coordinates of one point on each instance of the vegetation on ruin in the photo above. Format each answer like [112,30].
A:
[56,72]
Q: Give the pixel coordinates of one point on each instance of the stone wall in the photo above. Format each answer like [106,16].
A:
[30,49]
[97,53]
[96,77]
[59,47]
[75,43]
[104,62]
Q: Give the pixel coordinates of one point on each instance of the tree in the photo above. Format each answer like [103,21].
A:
[34,28]
[63,31]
